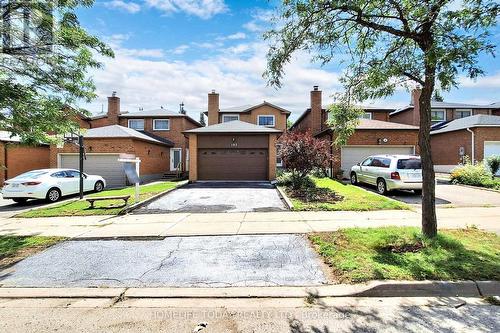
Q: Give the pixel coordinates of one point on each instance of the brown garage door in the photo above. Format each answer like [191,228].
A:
[232,164]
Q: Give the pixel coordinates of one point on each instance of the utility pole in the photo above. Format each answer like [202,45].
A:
[82,155]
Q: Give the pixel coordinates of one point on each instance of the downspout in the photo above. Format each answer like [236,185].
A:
[473,146]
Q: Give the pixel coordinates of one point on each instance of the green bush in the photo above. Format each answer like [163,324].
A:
[474,175]
[289,179]
[493,163]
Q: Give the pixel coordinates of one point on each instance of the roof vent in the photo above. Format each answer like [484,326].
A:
[213,91]
[113,94]
[315,88]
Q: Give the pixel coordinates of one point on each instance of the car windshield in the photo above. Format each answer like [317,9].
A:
[411,163]
[31,175]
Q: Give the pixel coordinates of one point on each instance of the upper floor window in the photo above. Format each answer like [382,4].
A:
[161,124]
[366,115]
[461,113]
[266,121]
[438,115]
[137,124]
[230,117]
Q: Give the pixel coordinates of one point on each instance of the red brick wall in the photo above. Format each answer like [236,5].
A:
[152,159]
[404,117]
[484,134]
[16,159]
[100,122]
[304,124]
[382,116]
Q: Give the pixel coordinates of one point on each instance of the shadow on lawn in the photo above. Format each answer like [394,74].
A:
[443,258]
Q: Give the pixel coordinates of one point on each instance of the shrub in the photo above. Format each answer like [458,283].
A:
[473,174]
[493,163]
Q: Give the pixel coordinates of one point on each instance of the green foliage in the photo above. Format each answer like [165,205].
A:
[403,253]
[10,245]
[493,163]
[473,174]
[202,119]
[343,119]
[39,89]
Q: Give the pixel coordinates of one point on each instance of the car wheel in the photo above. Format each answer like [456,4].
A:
[354,178]
[418,192]
[53,195]
[99,186]
[20,200]
[381,187]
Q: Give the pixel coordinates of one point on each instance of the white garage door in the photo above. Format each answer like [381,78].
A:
[492,148]
[351,155]
[106,166]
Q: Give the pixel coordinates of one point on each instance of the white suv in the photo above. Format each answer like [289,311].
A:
[389,172]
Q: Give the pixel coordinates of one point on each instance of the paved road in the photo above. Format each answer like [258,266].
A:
[219,197]
[213,261]
[381,315]
[448,194]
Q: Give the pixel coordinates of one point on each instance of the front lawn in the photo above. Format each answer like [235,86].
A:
[80,208]
[15,248]
[402,253]
[349,198]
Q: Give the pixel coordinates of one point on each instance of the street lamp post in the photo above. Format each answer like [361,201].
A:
[81,157]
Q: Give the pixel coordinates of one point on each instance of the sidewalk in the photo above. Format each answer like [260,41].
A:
[186,224]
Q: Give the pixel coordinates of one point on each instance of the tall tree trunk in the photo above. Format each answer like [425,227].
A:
[429,220]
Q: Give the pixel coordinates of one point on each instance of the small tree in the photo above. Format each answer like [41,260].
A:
[301,153]
[343,118]
[493,163]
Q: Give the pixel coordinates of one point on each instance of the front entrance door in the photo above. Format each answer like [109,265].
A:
[175,158]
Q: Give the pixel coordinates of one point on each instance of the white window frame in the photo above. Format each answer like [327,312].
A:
[367,113]
[143,124]
[463,110]
[280,163]
[266,115]
[439,110]
[161,129]
[230,115]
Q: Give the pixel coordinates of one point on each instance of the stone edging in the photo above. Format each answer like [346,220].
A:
[139,204]
[478,188]
[284,197]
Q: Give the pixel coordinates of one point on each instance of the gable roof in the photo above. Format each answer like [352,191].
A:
[379,124]
[235,126]
[248,108]
[479,120]
[117,131]
[445,105]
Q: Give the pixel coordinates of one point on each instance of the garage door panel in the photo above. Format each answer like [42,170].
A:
[350,156]
[232,164]
[106,166]
[492,148]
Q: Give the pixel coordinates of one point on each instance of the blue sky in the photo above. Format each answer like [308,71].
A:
[168,51]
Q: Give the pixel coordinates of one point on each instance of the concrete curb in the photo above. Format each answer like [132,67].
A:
[285,197]
[478,188]
[370,289]
[148,200]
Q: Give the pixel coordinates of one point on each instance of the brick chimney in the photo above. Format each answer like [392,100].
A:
[213,108]
[113,109]
[316,110]
[415,96]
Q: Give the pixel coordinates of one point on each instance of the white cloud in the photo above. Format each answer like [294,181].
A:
[130,7]
[147,53]
[489,81]
[180,49]
[235,36]
[150,83]
[261,20]
[204,9]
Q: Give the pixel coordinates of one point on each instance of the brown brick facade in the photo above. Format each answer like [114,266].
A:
[264,110]
[16,159]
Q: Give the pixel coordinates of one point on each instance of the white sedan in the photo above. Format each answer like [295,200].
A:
[49,184]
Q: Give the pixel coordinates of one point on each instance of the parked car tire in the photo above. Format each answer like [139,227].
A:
[418,192]
[354,178]
[99,186]
[20,200]
[381,187]
[53,195]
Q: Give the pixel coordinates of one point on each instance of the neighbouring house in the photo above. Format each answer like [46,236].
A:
[16,158]
[105,145]
[239,143]
[476,137]
[373,135]
[441,112]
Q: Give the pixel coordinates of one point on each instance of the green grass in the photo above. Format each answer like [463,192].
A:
[402,253]
[354,198]
[14,248]
[80,208]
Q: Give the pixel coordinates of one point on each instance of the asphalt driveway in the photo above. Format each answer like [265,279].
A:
[449,194]
[207,261]
[219,197]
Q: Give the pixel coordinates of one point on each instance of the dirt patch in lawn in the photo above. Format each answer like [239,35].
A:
[314,194]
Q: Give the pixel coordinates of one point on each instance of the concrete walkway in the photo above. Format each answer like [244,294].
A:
[186,224]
